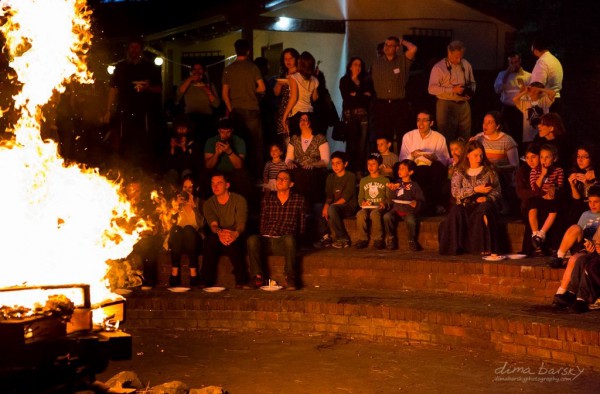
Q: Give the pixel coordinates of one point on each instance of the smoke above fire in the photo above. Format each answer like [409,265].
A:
[60,224]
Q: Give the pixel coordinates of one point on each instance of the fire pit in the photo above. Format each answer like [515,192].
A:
[57,348]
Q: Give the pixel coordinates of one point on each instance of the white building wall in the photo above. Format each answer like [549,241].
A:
[370,21]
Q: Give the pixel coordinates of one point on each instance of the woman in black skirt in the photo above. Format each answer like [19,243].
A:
[472,224]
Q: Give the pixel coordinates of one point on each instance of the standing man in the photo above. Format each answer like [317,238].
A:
[390,74]
[134,104]
[242,82]
[226,214]
[547,70]
[452,82]
[508,84]
[282,219]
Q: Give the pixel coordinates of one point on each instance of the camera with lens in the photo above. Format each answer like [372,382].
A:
[467,92]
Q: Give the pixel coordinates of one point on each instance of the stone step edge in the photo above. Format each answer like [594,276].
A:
[556,338]
[532,281]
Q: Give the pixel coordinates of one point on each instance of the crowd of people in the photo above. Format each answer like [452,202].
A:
[521,163]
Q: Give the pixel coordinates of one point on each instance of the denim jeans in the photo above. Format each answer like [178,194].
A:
[335,224]
[260,246]
[390,219]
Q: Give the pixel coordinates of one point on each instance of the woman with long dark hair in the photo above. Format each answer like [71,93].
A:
[288,65]
[471,225]
[308,156]
[357,92]
[185,235]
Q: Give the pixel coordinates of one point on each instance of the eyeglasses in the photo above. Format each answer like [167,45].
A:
[583,157]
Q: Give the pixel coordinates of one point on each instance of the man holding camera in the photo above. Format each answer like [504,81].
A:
[226,153]
[452,82]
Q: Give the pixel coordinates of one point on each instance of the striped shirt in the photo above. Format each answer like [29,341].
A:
[554,178]
[272,169]
[390,76]
[497,150]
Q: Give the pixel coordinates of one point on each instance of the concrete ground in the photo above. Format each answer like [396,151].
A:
[279,362]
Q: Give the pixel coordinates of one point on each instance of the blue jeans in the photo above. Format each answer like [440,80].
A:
[390,220]
[335,224]
[261,246]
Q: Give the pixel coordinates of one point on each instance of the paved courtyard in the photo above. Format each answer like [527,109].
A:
[279,362]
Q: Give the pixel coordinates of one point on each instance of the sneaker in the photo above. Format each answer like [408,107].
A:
[537,242]
[556,262]
[414,246]
[324,242]
[341,243]
[174,281]
[378,244]
[563,300]
[361,244]
[579,306]
[391,244]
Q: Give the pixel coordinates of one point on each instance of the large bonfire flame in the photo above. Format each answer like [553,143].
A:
[60,224]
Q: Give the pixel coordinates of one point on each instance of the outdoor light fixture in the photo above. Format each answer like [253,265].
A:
[159,61]
[110,69]
[283,23]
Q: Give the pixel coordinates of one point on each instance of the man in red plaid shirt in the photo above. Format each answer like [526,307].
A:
[282,218]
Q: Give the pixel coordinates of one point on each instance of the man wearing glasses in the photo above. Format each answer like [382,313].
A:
[282,218]
[390,75]
[428,149]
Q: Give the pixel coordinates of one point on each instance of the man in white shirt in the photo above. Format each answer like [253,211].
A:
[547,70]
[428,149]
[508,84]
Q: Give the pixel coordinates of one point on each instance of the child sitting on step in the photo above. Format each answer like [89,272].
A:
[373,200]
[408,199]
[584,229]
[546,180]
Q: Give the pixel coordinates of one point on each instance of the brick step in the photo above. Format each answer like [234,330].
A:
[525,279]
[428,232]
[506,326]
